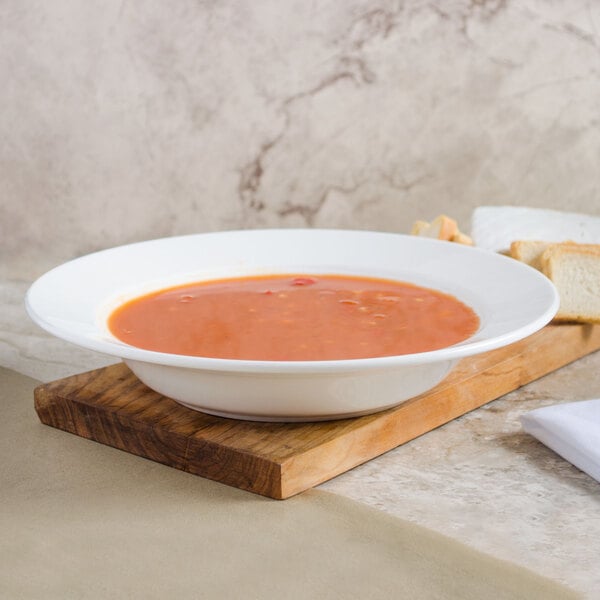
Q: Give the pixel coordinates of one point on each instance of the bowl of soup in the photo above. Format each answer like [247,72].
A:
[295,324]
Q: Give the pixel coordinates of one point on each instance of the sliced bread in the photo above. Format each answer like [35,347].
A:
[575,271]
[529,251]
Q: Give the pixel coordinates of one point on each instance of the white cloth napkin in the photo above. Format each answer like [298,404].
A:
[495,227]
[572,430]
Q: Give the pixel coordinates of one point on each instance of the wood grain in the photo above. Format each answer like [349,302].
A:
[113,407]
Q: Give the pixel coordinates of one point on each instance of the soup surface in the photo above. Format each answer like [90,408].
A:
[294,317]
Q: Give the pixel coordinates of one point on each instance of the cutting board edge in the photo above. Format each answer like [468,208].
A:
[302,462]
[281,471]
[60,412]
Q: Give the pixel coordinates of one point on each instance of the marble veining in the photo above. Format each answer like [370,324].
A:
[122,121]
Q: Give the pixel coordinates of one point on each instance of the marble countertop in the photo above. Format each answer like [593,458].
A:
[479,479]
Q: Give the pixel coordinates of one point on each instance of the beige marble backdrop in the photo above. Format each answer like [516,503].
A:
[123,121]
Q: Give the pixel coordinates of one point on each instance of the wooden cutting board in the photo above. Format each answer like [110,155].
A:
[113,407]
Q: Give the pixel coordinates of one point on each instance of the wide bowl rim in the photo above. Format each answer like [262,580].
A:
[451,353]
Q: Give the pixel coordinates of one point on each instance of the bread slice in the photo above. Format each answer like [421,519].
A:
[575,271]
[529,251]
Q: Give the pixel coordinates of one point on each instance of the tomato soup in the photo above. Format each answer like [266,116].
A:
[294,317]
